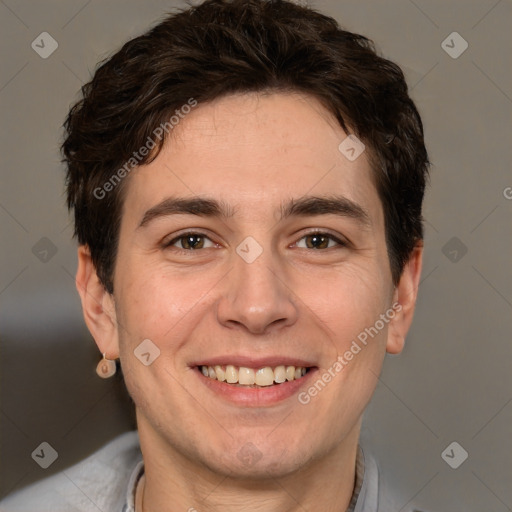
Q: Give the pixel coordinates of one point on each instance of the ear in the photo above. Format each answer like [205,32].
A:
[405,297]
[97,305]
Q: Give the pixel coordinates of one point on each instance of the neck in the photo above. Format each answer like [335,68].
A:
[175,482]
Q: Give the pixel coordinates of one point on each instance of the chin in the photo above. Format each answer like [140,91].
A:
[260,460]
[260,467]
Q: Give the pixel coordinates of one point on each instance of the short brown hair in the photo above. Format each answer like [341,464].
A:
[221,47]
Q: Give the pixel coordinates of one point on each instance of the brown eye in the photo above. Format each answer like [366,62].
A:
[190,242]
[319,241]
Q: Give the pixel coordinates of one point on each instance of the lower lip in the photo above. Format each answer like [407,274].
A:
[256,397]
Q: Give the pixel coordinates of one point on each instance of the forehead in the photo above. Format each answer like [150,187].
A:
[254,151]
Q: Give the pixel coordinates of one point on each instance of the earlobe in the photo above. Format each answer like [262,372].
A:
[404,297]
[97,305]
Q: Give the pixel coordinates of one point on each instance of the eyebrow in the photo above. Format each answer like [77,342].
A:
[326,205]
[301,207]
[200,206]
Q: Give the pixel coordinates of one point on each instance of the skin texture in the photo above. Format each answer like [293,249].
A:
[254,153]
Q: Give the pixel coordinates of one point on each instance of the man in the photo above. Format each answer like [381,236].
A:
[247,181]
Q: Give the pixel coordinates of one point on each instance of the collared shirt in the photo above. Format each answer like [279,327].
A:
[364,498]
[107,481]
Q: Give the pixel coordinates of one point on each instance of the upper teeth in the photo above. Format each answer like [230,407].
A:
[248,376]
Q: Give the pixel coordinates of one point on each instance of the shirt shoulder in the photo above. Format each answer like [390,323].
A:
[99,482]
[375,495]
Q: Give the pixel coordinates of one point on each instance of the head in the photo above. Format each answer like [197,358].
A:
[219,215]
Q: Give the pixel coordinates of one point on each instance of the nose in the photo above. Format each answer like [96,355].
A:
[257,297]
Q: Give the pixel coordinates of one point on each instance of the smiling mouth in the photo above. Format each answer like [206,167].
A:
[254,377]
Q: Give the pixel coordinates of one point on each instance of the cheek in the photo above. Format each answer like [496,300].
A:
[352,308]
[349,301]
[161,305]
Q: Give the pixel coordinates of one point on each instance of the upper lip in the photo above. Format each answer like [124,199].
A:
[253,362]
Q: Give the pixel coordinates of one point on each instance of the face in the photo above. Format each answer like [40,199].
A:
[252,241]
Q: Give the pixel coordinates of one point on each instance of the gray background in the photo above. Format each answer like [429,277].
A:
[452,382]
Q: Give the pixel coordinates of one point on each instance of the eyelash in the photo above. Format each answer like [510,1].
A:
[168,245]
